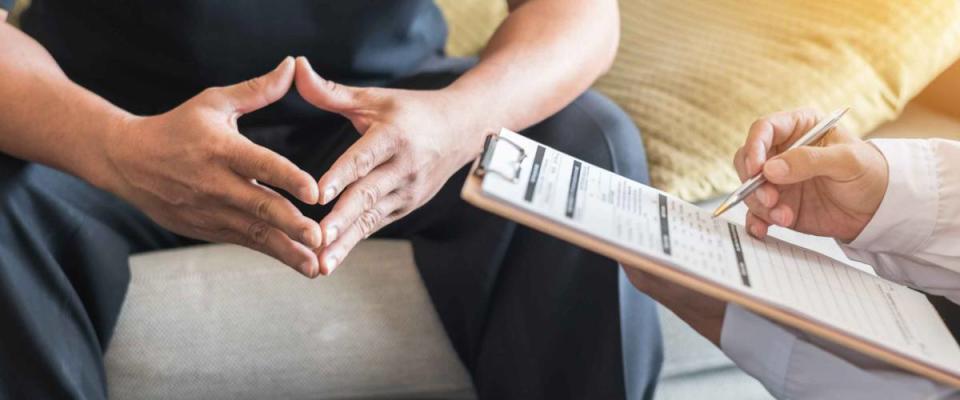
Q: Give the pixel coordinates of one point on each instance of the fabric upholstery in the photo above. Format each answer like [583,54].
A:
[221,321]
[18,7]
[694,74]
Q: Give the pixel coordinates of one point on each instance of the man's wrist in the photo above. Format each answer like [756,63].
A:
[94,162]
[467,117]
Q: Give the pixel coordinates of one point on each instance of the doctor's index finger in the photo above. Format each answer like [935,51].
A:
[775,130]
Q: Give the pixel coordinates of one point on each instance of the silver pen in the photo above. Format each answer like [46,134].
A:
[811,136]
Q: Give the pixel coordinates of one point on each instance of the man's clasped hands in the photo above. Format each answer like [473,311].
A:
[191,170]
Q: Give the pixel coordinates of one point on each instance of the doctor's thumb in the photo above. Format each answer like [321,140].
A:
[838,162]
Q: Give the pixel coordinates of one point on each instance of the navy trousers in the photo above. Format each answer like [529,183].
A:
[531,316]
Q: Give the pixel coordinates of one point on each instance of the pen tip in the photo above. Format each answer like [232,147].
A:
[723,207]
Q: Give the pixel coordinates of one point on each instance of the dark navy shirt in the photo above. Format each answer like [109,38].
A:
[149,55]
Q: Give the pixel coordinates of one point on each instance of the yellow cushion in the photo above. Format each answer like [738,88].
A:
[18,7]
[471,23]
[695,74]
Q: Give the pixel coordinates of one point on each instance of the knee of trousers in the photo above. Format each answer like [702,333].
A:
[28,198]
[597,130]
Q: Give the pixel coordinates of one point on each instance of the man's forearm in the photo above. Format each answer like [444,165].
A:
[544,54]
[45,117]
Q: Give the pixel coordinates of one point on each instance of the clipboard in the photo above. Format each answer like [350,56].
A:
[485,167]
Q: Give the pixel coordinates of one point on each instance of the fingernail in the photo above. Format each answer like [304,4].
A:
[311,238]
[307,269]
[309,192]
[777,216]
[776,168]
[755,231]
[761,196]
[331,263]
[328,194]
[331,234]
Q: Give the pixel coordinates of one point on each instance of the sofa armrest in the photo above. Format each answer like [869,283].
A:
[943,93]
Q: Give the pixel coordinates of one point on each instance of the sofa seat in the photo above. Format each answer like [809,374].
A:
[222,321]
[225,322]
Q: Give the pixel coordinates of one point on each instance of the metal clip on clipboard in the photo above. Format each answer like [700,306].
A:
[486,158]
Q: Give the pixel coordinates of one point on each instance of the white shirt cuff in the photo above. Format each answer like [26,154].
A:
[907,214]
[758,346]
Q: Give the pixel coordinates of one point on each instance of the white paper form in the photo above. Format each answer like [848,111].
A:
[640,219]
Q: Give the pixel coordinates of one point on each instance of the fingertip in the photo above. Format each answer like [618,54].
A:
[738,164]
[330,262]
[309,268]
[758,230]
[322,270]
[756,226]
[767,195]
[300,62]
[284,64]
[312,194]
[303,73]
[750,168]
[308,191]
[301,258]
[303,62]
[330,190]
[782,216]
[759,156]
[755,157]
[330,234]
[311,236]
[286,69]
[761,196]
[789,216]
[773,195]
[305,69]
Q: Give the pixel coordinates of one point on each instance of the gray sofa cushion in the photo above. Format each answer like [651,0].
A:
[693,368]
[221,321]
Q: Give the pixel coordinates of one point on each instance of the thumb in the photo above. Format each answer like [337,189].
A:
[259,92]
[323,94]
[838,162]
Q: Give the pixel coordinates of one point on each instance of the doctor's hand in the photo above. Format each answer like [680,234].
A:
[703,313]
[412,142]
[192,172]
[831,189]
